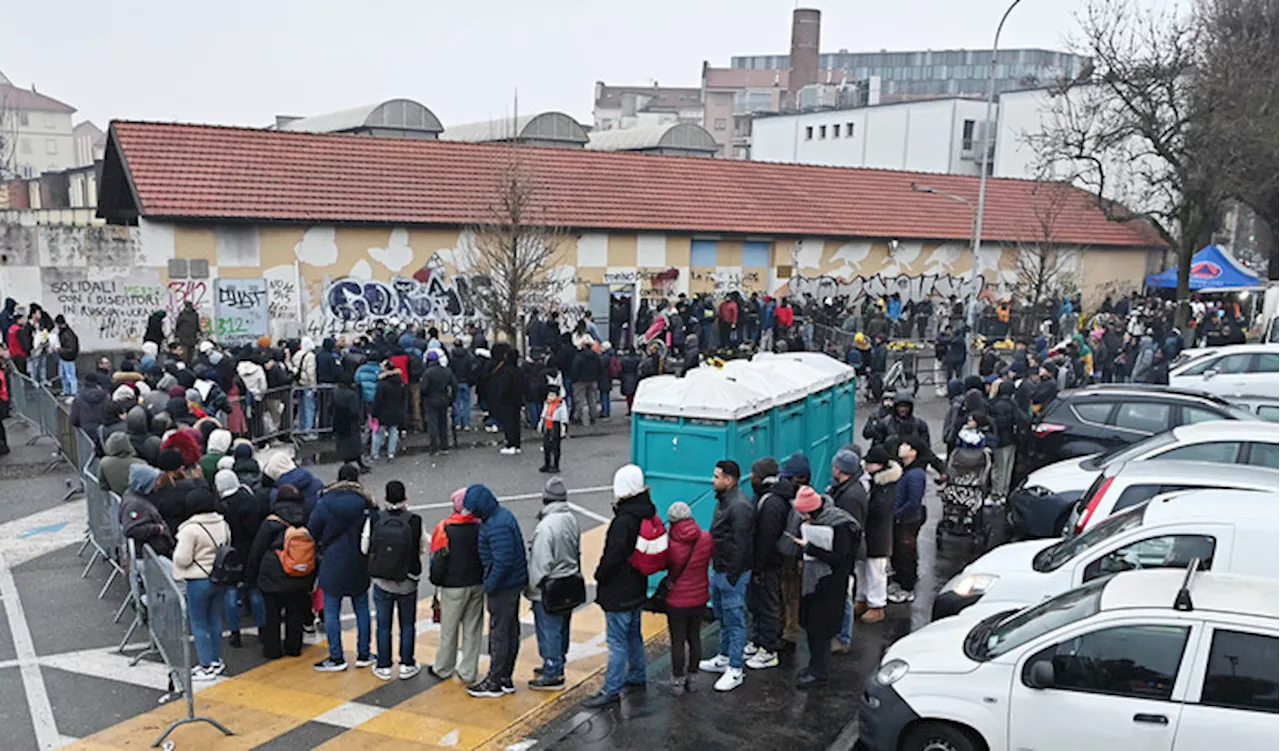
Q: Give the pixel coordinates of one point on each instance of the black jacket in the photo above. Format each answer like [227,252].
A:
[619,585]
[187,327]
[1007,419]
[878,531]
[461,363]
[438,386]
[822,611]
[249,474]
[347,419]
[771,514]
[244,513]
[850,497]
[171,502]
[389,407]
[68,345]
[155,328]
[731,533]
[461,566]
[143,524]
[630,377]
[262,566]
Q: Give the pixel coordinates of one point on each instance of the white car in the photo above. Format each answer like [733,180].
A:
[1234,530]
[1238,369]
[1156,660]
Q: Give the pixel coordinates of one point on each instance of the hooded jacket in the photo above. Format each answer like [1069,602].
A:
[438,385]
[896,428]
[367,381]
[501,544]
[771,513]
[86,409]
[253,376]
[326,363]
[850,497]
[155,328]
[731,531]
[139,518]
[1007,420]
[113,470]
[619,585]
[197,545]
[689,551]
[244,512]
[248,472]
[186,328]
[455,552]
[145,445]
[878,531]
[908,502]
[308,485]
[554,548]
[1143,362]
[262,566]
[336,524]
[825,579]
[303,364]
[389,406]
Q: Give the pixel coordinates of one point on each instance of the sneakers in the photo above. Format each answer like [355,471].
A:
[750,649]
[508,687]
[218,667]
[840,648]
[762,660]
[384,674]
[807,681]
[508,451]
[731,679]
[543,683]
[203,674]
[601,700]
[873,615]
[366,661]
[717,664]
[486,689]
[409,671]
[901,596]
[235,640]
[673,687]
[330,665]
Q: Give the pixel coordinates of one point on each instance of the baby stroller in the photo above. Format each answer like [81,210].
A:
[965,491]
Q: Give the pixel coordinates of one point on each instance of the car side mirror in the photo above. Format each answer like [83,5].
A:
[1210,373]
[1041,674]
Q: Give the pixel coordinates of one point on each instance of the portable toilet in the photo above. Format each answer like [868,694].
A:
[844,393]
[826,416]
[680,428]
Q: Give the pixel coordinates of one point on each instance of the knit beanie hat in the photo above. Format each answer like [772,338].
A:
[807,500]
[846,462]
[678,511]
[765,468]
[456,498]
[628,481]
[226,483]
[169,460]
[243,451]
[555,490]
[877,454]
[796,465]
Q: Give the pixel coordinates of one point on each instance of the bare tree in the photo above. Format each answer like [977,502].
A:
[510,252]
[1046,267]
[1133,132]
[8,138]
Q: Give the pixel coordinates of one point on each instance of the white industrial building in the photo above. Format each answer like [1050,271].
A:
[939,135]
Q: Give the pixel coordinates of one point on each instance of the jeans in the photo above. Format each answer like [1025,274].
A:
[461,608]
[67,373]
[389,434]
[36,368]
[256,607]
[764,601]
[504,633]
[437,428]
[729,603]
[553,640]
[626,651]
[204,605]
[462,406]
[606,391]
[845,636]
[293,609]
[333,624]
[406,607]
[307,411]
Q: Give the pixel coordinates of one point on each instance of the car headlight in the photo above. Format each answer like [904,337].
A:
[968,585]
[891,672]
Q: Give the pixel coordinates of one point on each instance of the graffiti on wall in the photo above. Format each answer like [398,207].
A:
[725,281]
[429,297]
[910,287]
[105,313]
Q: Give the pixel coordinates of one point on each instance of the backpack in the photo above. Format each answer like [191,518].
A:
[393,546]
[297,372]
[227,568]
[650,555]
[297,553]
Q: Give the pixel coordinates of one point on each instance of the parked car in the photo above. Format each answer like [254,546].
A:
[1106,416]
[1234,531]
[1252,369]
[1170,660]
[1263,407]
[1040,505]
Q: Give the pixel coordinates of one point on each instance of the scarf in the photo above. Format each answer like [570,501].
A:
[829,515]
[440,540]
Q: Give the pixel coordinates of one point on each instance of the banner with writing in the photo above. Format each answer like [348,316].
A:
[241,313]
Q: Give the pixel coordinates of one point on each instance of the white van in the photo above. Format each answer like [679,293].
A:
[1234,531]
[1154,660]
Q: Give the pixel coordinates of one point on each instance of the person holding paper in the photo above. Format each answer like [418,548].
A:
[828,538]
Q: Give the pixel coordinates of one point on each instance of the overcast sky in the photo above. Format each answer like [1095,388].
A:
[244,61]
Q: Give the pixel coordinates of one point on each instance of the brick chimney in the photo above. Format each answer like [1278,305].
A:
[806,26]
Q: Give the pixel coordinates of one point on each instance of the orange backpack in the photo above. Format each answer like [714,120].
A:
[298,553]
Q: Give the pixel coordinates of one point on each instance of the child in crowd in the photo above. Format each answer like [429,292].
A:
[554,425]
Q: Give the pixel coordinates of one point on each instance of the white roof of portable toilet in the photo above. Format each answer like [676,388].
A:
[793,371]
[781,391]
[839,372]
[704,394]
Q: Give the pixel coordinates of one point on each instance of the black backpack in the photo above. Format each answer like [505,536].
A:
[228,568]
[394,547]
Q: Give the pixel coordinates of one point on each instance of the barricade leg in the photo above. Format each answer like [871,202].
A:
[187,720]
[92,560]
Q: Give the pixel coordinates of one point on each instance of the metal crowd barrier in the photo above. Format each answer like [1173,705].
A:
[19,389]
[137,597]
[170,631]
[106,534]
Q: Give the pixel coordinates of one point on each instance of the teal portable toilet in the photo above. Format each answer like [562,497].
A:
[787,393]
[808,421]
[844,392]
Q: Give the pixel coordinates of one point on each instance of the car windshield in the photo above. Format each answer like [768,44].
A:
[1054,556]
[1130,452]
[1025,625]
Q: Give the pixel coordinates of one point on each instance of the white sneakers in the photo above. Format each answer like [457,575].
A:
[729,680]
[750,649]
[717,664]
[762,659]
[508,451]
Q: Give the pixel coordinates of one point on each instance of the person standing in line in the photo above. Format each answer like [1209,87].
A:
[554,426]
[621,588]
[336,525]
[828,563]
[282,565]
[506,572]
[462,364]
[198,540]
[794,475]
[871,571]
[1009,422]
[389,408]
[68,351]
[244,513]
[439,390]
[554,570]
[764,592]
[688,554]
[908,516]
[303,367]
[731,573]
[458,575]
[394,541]
[507,389]
[849,494]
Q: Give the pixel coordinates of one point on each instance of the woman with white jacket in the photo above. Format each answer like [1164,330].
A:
[198,540]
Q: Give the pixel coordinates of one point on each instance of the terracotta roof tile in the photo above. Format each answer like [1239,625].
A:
[214,172]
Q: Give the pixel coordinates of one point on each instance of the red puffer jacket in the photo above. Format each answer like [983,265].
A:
[693,588]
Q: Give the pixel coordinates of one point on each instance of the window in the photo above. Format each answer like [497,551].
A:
[1143,417]
[822,131]
[1095,412]
[1135,661]
[1193,415]
[1267,362]
[703,252]
[1136,494]
[808,132]
[51,146]
[1268,412]
[1168,551]
[1234,363]
[1264,455]
[966,143]
[721,124]
[24,145]
[1241,673]
[24,118]
[1222,452]
[848,130]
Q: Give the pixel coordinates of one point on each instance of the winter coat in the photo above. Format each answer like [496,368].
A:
[327,366]
[308,485]
[171,502]
[262,567]
[460,364]
[197,545]
[689,550]
[630,376]
[1006,418]
[771,513]
[86,409]
[438,386]
[303,367]
[731,531]
[501,544]
[113,470]
[619,585]
[248,473]
[822,610]
[506,387]
[142,523]
[186,328]
[68,345]
[554,548]
[336,524]
[1143,362]
[878,530]
[456,542]
[347,419]
[244,512]
[145,445]
[850,497]
[389,406]
[253,376]
[367,381]
[155,328]
[908,503]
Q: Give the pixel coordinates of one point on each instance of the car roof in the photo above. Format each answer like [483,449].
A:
[1222,593]
[1233,348]
[1208,474]
[1244,507]
[1201,432]
[1113,390]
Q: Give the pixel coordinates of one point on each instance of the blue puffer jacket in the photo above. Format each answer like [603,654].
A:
[308,485]
[336,525]
[367,381]
[502,551]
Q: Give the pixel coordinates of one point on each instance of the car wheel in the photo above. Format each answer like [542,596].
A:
[938,736]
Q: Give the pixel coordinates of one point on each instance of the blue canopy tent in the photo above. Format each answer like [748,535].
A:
[1212,269]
